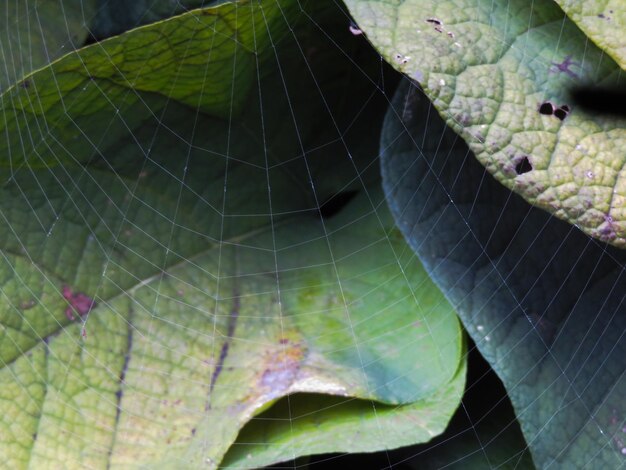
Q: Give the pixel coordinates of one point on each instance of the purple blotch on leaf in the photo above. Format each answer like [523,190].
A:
[565,67]
[78,303]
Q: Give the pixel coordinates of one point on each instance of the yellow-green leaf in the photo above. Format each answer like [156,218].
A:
[500,73]
[168,190]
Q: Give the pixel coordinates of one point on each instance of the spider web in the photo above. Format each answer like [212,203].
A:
[217,194]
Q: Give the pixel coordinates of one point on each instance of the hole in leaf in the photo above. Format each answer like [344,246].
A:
[337,202]
[523,166]
[546,108]
[560,113]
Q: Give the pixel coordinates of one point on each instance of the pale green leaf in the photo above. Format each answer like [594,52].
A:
[488,66]
[603,21]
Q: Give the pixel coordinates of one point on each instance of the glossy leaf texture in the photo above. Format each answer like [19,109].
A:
[544,303]
[169,264]
[501,73]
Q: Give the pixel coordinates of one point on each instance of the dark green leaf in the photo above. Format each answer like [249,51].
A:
[33,33]
[543,302]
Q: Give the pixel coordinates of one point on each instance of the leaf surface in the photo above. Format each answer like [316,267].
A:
[543,302]
[493,69]
[316,424]
[603,21]
[167,189]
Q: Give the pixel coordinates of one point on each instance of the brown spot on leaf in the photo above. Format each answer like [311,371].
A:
[282,367]
[27,304]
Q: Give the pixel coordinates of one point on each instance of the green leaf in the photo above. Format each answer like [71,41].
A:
[543,302]
[483,433]
[174,176]
[489,66]
[603,21]
[34,33]
[315,424]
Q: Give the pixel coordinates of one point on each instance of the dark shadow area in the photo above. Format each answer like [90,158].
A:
[115,17]
[600,100]
[335,203]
